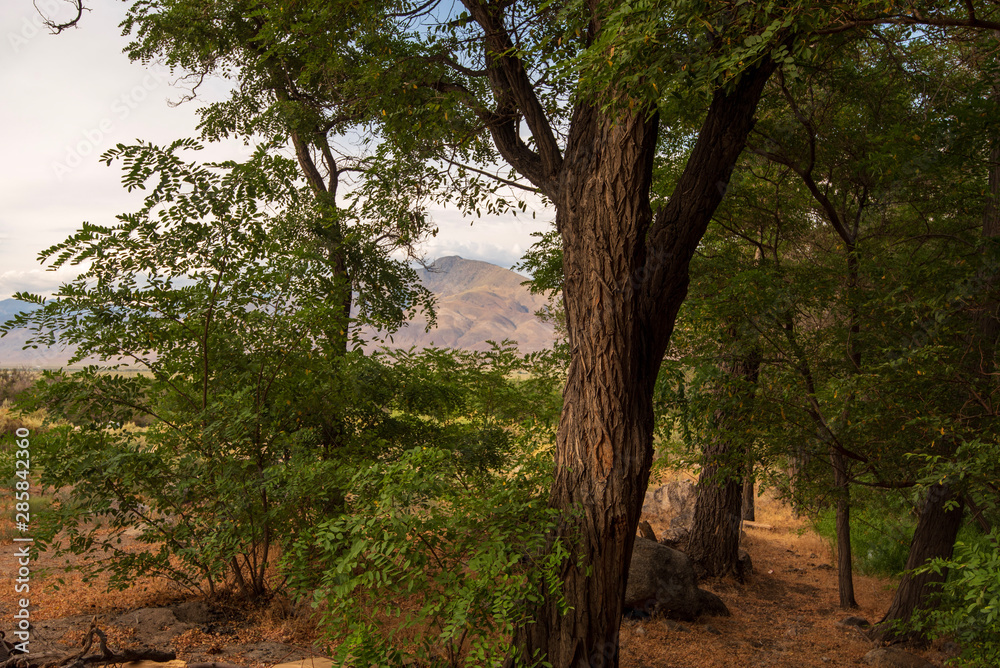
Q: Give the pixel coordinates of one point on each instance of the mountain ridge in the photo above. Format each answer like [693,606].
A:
[476,302]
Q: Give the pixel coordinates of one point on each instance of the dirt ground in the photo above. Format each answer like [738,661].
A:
[785,615]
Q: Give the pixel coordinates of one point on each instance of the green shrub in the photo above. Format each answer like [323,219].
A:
[880,535]
[226,308]
[968,606]
[433,564]
[442,545]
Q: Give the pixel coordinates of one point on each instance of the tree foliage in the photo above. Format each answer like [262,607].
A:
[589,104]
[209,310]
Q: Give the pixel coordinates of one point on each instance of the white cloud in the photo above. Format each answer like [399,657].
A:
[36,281]
[501,240]
[70,97]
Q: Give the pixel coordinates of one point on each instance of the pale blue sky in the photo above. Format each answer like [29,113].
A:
[69,98]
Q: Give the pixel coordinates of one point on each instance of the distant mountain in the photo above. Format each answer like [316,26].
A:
[476,302]
[11,307]
[11,346]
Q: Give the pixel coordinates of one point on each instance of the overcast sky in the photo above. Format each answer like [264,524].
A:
[69,98]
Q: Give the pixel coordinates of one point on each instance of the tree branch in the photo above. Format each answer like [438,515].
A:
[516,96]
[679,225]
[506,182]
[972,22]
[57,28]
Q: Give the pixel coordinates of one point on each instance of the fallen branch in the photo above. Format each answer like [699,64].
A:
[81,660]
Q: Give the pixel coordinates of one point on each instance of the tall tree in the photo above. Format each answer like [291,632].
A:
[280,96]
[855,155]
[588,82]
[944,503]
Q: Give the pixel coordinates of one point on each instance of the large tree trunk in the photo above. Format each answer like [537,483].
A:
[714,544]
[626,276]
[934,537]
[604,443]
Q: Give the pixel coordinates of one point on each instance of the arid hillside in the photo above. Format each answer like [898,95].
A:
[476,302]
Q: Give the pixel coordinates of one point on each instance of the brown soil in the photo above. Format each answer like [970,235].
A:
[62,606]
[785,615]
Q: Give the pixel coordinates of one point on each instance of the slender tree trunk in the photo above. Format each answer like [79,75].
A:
[749,497]
[839,463]
[626,276]
[845,568]
[326,227]
[715,533]
[934,537]
[987,326]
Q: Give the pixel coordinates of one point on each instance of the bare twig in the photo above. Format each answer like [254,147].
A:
[57,28]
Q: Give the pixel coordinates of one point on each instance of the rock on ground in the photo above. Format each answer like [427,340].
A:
[661,580]
[891,657]
[854,622]
[155,627]
[672,505]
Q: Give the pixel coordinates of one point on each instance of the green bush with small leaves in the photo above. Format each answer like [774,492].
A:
[433,563]
[968,606]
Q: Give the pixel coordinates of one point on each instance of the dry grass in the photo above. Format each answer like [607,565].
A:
[12,419]
[14,382]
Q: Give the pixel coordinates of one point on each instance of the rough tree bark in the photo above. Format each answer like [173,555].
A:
[934,537]
[715,533]
[749,506]
[626,276]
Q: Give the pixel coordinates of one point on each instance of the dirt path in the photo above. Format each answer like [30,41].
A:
[785,615]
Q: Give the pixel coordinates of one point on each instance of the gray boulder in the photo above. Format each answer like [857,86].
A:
[662,581]
[672,506]
[891,657]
